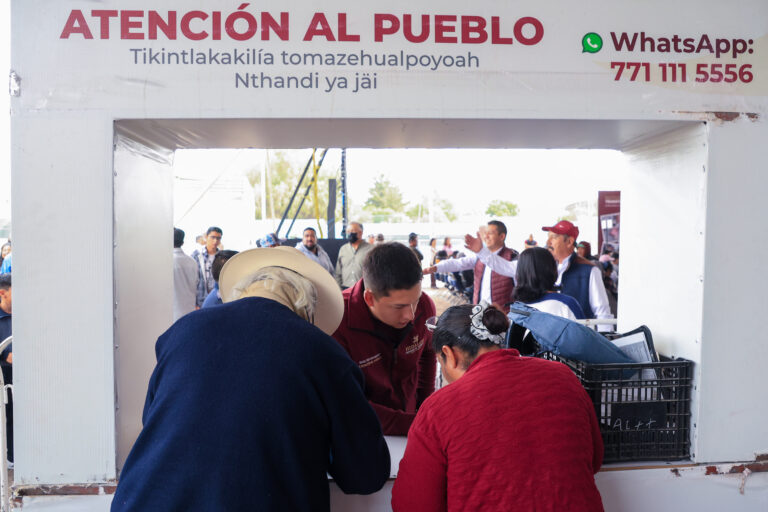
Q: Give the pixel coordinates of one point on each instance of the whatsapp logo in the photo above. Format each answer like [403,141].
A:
[591,43]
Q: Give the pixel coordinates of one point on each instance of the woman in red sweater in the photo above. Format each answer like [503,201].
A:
[508,433]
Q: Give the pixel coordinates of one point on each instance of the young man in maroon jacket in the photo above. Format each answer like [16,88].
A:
[384,332]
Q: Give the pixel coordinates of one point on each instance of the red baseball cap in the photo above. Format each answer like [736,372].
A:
[563,227]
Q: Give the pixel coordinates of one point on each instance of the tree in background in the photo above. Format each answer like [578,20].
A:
[444,211]
[385,201]
[282,177]
[500,208]
[446,207]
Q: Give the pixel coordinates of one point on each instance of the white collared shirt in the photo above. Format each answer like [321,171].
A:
[491,260]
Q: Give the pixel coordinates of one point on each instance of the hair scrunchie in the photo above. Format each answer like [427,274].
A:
[478,328]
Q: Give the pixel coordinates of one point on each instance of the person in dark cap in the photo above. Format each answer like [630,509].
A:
[584,249]
[413,243]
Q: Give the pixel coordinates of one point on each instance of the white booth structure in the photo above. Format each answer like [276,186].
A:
[103,93]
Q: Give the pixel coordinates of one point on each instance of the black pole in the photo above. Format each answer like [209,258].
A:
[331,208]
[306,193]
[344,193]
[290,203]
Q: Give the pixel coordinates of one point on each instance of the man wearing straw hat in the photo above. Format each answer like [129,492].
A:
[250,405]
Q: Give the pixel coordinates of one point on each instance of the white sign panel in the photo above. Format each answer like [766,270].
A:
[447,59]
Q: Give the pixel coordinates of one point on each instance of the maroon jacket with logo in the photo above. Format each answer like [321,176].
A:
[398,377]
[501,286]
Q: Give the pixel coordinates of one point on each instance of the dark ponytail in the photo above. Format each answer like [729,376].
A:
[453,329]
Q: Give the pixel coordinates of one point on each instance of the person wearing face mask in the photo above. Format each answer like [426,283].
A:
[349,264]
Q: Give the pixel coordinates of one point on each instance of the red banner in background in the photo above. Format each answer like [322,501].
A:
[608,216]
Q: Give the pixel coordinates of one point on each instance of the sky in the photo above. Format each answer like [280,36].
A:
[541,182]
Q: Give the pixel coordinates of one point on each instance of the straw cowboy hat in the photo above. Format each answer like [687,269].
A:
[330,304]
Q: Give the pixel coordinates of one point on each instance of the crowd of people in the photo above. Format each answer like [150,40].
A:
[366,369]
[308,365]
[6,330]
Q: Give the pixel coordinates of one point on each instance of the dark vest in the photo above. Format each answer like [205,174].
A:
[575,282]
[501,286]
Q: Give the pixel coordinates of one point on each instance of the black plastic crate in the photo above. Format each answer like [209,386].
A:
[644,409]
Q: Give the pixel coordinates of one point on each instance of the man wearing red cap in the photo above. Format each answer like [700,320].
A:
[577,276]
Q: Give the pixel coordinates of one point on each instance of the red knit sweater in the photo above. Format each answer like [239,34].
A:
[514,433]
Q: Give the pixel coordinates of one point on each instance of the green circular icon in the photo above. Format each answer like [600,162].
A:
[591,43]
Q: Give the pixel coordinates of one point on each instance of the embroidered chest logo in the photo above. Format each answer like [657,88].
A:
[415,345]
[369,361]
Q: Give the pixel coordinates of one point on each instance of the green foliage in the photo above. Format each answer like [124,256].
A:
[500,208]
[385,201]
[444,211]
[418,212]
[447,208]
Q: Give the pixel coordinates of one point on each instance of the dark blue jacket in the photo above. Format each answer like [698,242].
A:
[575,282]
[5,331]
[247,409]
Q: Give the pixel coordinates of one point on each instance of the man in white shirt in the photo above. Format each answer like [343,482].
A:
[204,259]
[185,278]
[577,276]
[490,284]
[309,247]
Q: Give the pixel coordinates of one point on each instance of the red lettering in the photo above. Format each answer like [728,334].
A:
[155,22]
[216,25]
[126,24]
[495,37]
[538,30]
[379,30]
[76,24]
[319,27]
[281,30]
[408,29]
[186,21]
[343,36]
[441,28]
[473,30]
[245,16]
[104,16]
